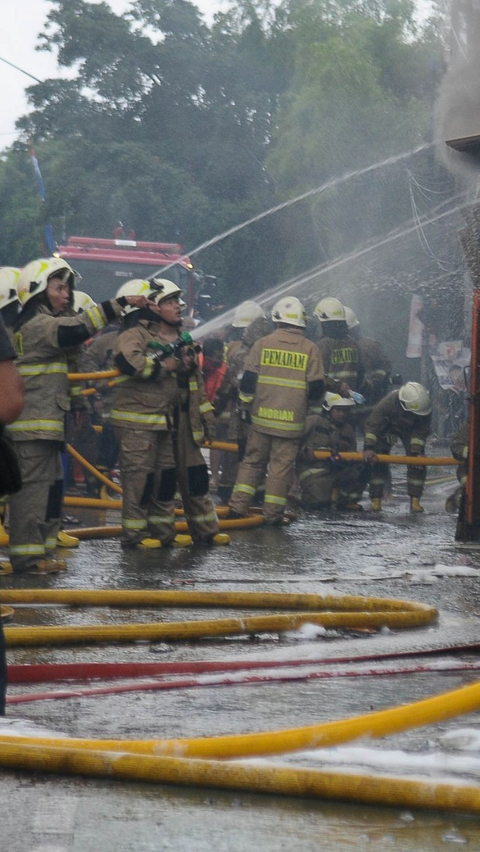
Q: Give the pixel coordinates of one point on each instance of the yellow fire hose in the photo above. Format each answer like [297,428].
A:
[279,780]
[92,377]
[329,611]
[86,464]
[428,711]
[96,503]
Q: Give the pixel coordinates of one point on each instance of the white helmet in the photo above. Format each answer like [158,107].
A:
[134,287]
[82,301]
[351,318]
[34,277]
[8,285]
[330,309]
[415,398]
[246,313]
[334,400]
[289,310]
[162,289]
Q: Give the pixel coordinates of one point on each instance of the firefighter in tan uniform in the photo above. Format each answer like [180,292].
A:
[283,375]
[227,398]
[330,483]
[405,414]
[160,413]
[42,339]
[341,355]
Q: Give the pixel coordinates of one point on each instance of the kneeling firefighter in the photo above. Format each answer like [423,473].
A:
[330,483]
[160,413]
[44,339]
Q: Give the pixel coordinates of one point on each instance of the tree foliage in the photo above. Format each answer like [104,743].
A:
[183,129]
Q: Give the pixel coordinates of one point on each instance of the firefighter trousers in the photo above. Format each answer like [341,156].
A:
[147,471]
[35,512]
[192,476]
[275,457]
[380,472]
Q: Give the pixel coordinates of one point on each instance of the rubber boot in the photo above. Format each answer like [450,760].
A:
[181,541]
[211,540]
[5,568]
[376,504]
[148,544]
[66,540]
[3,532]
[415,506]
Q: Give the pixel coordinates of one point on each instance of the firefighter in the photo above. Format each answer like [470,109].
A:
[227,399]
[283,375]
[404,414]
[159,413]
[330,483]
[98,357]
[42,339]
[376,365]
[459,450]
[341,354]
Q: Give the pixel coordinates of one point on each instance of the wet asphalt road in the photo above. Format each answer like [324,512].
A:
[393,555]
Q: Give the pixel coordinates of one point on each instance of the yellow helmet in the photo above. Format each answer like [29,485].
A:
[8,285]
[34,277]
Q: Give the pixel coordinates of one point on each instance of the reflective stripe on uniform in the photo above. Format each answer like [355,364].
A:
[281,425]
[204,407]
[43,369]
[419,441]
[278,501]
[96,318]
[50,543]
[27,550]
[465,453]
[315,409]
[36,425]
[312,471]
[161,519]
[203,519]
[244,489]
[283,383]
[245,397]
[197,436]
[192,385]
[136,417]
[369,436]
[414,481]
[134,524]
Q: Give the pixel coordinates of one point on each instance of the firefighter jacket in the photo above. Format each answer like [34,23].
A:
[146,395]
[45,346]
[342,361]
[323,433]
[283,374]
[389,421]
[377,369]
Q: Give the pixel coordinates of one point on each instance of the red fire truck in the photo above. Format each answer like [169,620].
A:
[106,264]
